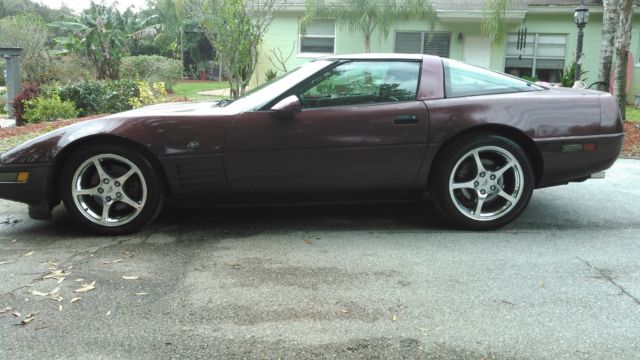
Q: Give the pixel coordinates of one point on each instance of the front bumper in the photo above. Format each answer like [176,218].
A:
[35,191]
[562,166]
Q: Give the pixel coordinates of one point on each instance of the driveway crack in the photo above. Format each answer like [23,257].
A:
[606,275]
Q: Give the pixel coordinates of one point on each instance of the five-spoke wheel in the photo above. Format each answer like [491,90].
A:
[483,182]
[111,188]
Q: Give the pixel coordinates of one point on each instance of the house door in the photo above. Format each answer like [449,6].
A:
[477,51]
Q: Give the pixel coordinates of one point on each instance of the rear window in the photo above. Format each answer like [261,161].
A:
[467,80]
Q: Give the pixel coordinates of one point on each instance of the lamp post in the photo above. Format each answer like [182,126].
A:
[581,18]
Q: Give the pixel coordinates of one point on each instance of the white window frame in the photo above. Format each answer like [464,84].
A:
[535,56]
[423,34]
[314,55]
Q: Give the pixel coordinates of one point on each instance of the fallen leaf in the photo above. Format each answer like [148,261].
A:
[422,329]
[126,277]
[6,262]
[86,287]
[309,242]
[140,293]
[394,318]
[28,254]
[69,267]
[38,293]
[16,314]
[60,280]
[112,262]
[108,313]
[344,311]
[60,307]
[541,284]
[8,308]
[52,262]
[79,280]
[25,321]
[75,299]
[14,240]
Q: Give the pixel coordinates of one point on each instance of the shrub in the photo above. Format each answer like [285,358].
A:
[27,93]
[152,68]
[72,68]
[100,97]
[148,95]
[49,108]
[270,75]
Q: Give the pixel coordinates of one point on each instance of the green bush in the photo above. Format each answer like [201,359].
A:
[49,108]
[100,97]
[152,68]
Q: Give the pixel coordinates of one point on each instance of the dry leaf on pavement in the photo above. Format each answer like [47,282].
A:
[28,254]
[86,287]
[140,293]
[8,308]
[75,299]
[126,277]
[6,262]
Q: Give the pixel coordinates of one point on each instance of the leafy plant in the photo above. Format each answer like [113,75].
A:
[100,97]
[49,108]
[493,19]
[567,77]
[27,93]
[148,95]
[152,68]
[270,74]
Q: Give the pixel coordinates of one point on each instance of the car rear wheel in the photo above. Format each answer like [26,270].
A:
[483,182]
[111,189]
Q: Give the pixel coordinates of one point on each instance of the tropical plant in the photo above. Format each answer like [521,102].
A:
[367,16]
[235,29]
[99,34]
[270,74]
[623,41]
[568,76]
[49,108]
[148,95]
[609,24]
[492,25]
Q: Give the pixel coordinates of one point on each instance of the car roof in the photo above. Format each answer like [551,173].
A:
[377,56]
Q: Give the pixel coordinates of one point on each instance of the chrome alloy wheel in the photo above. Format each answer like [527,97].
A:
[486,183]
[109,190]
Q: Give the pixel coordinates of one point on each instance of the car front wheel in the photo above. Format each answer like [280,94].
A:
[111,189]
[483,182]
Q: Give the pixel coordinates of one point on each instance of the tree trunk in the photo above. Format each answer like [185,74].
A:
[609,22]
[625,12]
[367,42]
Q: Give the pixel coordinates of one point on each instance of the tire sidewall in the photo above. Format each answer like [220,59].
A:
[152,205]
[446,164]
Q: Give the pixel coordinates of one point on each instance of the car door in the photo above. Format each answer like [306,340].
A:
[360,129]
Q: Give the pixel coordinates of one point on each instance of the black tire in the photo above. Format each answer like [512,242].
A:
[142,187]
[457,204]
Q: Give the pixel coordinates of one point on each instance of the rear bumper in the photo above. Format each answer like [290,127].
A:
[34,192]
[562,165]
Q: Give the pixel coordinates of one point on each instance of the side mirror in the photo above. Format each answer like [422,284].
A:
[287,107]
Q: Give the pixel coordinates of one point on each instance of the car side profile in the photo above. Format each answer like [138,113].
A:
[350,127]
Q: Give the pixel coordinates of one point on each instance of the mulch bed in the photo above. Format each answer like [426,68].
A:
[40,127]
[631,146]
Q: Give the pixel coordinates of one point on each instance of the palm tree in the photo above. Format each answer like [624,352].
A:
[609,24]
[625,11]
[493,19]
[367,16]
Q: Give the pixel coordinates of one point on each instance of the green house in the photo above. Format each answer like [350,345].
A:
[551,37]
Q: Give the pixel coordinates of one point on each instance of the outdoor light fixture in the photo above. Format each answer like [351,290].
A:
[581,18]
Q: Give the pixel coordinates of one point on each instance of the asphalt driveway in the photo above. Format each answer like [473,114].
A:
[341,281]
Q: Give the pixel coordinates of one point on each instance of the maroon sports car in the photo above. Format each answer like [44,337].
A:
[383,126]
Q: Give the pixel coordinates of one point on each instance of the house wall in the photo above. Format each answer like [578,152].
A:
[284,35]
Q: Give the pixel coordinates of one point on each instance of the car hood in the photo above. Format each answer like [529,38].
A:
[152,126]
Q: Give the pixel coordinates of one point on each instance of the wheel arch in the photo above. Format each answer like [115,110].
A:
[511,133]
[66,152]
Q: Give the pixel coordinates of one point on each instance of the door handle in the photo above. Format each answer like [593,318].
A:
[405,119]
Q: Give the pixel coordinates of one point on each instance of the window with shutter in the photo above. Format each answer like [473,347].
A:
[319,37]
[432,43]
[543,57]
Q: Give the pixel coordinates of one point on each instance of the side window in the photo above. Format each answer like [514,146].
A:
[467,80]
[363,82]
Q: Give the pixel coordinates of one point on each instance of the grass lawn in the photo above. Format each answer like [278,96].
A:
[633,114]
[189,89]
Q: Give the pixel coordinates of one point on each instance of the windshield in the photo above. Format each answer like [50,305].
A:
[467,80]
[263,94]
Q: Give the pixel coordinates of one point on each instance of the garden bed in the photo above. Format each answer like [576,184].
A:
[631,146]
